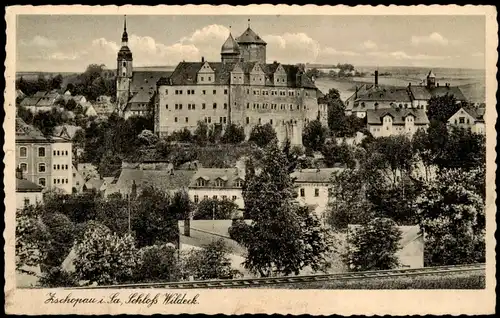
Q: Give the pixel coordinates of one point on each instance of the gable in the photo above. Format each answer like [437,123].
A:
[257,69]
[206,68]
[237,69]
[280,70]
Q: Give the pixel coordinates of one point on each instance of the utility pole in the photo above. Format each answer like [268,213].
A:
[128,212]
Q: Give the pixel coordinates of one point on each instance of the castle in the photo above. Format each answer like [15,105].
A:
[242,89]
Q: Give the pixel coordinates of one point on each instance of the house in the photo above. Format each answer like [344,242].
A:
[396,121]
[469,118]
[312,187]
[158,175]
[87,170]
[78,181]
[103,106]
[66,131]
[27,192]
[217,183]
[44,160]
[80,100]
[89,110]
[139,104]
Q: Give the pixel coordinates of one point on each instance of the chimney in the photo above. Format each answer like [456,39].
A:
[376,78]
[202,59]
[19,173]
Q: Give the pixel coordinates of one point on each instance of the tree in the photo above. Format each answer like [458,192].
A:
[147,137]
[441,108]
[314,135]
[348,203]
[183,135]
[61,234]
[336,109]
[117,221]
[396,154]
[262,135]
[157,263]
[152,219]
[214,209]
[452,215]
[201,133]
[373,246]
[70,105]
[57,277]
[463,149]
[105,258]
[55,82]
[215,133]
[283,237]
[25,114]
[181,206]
[210,262]
[46,121]
[234,134]
[78,208]
[334,154]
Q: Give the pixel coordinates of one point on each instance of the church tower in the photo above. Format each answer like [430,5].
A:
[431,80]
[123,71]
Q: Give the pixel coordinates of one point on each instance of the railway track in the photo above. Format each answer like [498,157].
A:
[235,283]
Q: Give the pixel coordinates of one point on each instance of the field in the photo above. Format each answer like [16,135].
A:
[463,280]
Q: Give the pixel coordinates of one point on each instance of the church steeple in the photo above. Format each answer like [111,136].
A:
[125,34]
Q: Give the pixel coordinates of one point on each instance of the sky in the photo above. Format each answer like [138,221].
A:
[68,43]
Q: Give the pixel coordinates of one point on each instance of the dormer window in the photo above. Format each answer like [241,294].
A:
[219,183]
[239,183]
[201,182]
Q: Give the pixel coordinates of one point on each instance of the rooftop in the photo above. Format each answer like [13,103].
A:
[23,185]
[250,37]
[211,175]
[314,175]
[374,117]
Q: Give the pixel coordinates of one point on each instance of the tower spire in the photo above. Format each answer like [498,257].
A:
[125,34]
[249,23]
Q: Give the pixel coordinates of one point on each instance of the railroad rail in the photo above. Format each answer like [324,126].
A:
[235,283]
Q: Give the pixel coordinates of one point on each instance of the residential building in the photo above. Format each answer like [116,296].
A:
[372,97]
[103,106]
[312,187]
[41,101]
[78,181]
[27,192]
[396,121]
[44,160]
[469,118]
[87,170]
[241,89]
[217,183]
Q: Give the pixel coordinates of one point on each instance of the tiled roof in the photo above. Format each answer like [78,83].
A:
[374,117]
[420,92]
[146,80]
[141,97]
[30,101]
[476,113]
[66,131]
[249,37]
[186,72]
[23,185]
[40,94]
[94,183]
[25,132]
[161,179]
[314,175]
[229,176]
[385,94]
[447,90]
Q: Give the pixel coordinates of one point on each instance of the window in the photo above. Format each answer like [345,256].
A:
[205,197]
[26,201]
[166,106]
[215,91]
[209,120]
[202,78]
[271,121]
[67,181]
[468,121]
[225,105]
[201,182]
[58,167]
[220,120]
[215,105]
[239,183]
[462,120]
[41,181]
[189,92]
[203,106]
[41,167]
[224,197]
[316,192]
[248,120]
[219,183]
[166,91]
[180,106]
[224,119]
[74,175]
[302,192]
[209,78]
[41,152]
[214,197]
[175,119]
[196,199]
[23,166]
[260,121]
[248,105]
[187,119]
[54,153]
[176,106]
[225,91]
[55,167]
[204,91]
[192,92]
[193,106]
[23,152]
[234,197]
[180,92]
[456,121]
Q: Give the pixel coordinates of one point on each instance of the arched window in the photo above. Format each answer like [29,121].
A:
[23,152]
[41,152]
[41,167]
[24,167]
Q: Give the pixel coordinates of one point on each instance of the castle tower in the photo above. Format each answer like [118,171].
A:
[230,50]
[431,80]
[123,71]
[252,47]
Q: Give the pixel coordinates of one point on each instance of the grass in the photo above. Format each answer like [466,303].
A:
[465,280]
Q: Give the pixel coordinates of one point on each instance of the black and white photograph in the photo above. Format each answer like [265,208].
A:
[248,152]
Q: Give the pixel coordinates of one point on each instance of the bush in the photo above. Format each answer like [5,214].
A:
[157,262]
[211,262]
[57,277]
[209,209]
[233,135]
[373,246]
[262,135]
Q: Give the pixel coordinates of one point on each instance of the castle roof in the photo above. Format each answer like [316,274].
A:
[250,37]
[375,116]
[431,74]
[230,46]
[420,92]
[447,90]
[385,94]
[146,80]
[186,73]
[124,54]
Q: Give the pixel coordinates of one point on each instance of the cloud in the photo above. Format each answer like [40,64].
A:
[292,47]
[433,38]
[401,55]
[40,41]
[61,56]
[369,45]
